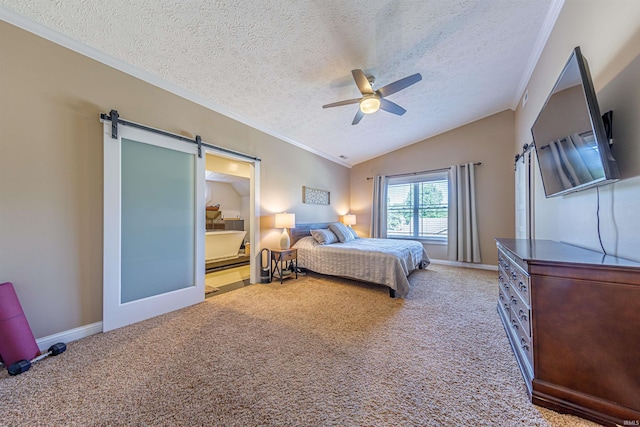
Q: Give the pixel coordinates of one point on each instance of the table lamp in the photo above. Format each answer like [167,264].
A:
[349,220]
[284,221]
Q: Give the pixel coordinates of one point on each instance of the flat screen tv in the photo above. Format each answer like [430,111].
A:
[569,134]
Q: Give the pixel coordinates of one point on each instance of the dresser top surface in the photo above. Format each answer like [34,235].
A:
[551,251]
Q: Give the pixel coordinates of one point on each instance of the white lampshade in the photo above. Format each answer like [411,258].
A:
[349,219]
[285,220]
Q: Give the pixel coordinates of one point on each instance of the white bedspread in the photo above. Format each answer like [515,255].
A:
[384,261]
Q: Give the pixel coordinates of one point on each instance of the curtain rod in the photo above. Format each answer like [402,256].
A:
[421,172]
[115,119]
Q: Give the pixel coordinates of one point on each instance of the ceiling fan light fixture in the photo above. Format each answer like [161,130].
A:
[370,104]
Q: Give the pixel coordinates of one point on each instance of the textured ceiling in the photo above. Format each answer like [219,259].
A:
[273,64]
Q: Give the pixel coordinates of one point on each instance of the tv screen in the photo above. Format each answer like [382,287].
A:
[569,134]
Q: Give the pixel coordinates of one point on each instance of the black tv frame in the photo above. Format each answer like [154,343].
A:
[601,134]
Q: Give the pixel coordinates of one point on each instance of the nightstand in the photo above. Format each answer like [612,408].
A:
[284,263]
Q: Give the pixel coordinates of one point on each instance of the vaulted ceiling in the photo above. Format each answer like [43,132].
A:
[272,64]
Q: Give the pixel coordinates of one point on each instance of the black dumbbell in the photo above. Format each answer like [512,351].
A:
[24,365]
[19,367]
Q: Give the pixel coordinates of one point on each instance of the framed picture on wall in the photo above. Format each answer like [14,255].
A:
[315,197]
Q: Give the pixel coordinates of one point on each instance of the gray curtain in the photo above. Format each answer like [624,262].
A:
[464,244]
[379,208]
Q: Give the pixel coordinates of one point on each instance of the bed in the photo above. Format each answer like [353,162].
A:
[386,262]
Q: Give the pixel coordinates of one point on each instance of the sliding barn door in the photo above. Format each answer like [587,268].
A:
[524,196]
[153,225]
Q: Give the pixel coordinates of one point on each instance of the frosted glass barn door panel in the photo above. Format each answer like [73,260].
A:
[158,215]
[154,238]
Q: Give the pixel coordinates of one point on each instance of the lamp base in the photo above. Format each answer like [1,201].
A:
[285,242]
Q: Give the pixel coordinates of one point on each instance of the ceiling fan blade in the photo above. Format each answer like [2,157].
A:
[337,104]
[362,81]
[358,117]
[391,107]
[398,85]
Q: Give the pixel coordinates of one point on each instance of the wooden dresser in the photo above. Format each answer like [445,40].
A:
[572,317]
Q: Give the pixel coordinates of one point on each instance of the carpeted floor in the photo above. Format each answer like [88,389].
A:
[312,352]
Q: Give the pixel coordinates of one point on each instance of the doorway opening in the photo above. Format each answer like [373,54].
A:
[229,223]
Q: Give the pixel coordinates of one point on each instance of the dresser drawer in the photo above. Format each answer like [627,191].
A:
[520,311]
[503,301]
[523,315]
[503,261]
[517,277]
[520,282]
[503,278]
[523,339]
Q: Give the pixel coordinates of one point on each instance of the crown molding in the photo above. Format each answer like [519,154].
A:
[547,26]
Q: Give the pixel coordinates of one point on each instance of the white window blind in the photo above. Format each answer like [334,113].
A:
[418,207]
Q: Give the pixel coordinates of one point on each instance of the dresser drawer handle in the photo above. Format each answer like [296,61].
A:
[524,345]
[501,296]
[523,287]
[514,324]
[506,306]
[514,301]
[523,316]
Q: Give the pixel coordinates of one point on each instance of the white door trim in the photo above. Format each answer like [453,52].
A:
[254,208]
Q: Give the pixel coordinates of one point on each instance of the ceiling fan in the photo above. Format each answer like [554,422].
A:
[373,100]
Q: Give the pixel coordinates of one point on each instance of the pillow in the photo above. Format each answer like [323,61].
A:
[342,231]
[353,232]
[324,236]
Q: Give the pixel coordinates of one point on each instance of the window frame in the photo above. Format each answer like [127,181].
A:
[416,180]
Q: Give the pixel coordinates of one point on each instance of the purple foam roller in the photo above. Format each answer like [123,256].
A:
[16,339]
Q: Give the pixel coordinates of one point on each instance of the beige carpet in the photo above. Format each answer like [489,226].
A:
[311,352]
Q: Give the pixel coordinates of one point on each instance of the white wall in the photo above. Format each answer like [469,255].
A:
[232,204]
[608,33]
[230,201]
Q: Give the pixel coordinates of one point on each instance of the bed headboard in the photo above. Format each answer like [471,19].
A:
[303,230]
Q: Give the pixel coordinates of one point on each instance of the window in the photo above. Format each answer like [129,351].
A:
[418,207]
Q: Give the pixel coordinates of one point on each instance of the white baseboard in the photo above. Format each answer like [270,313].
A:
[67,336]
[465,264]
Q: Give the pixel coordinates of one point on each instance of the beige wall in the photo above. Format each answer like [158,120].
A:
[489,141]
[51,172]
[608,33]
